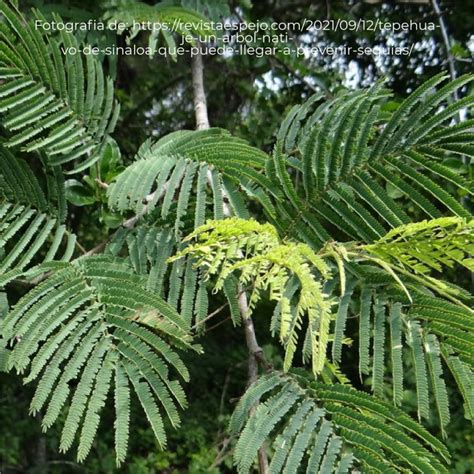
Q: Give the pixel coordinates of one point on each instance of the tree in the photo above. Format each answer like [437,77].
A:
[330,243]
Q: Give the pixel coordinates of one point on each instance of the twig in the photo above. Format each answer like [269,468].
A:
[211,315]
[447,43]
[99,247]
[80,247]
[220,455]
[218,324]
[154,196]
[101,184]
[255,352]
[217,311]
[130,222]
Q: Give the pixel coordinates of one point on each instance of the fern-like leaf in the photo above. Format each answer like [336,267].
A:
[328,427]
[95,318]
[62,105]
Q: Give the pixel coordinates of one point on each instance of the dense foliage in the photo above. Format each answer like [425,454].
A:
[346,247]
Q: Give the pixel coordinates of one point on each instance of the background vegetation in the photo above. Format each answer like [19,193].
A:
[247,96]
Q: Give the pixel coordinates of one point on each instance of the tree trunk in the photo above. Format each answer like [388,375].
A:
[200,104]
[254,350]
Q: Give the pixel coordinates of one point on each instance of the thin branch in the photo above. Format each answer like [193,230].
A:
[99,247]
[101,183]
[211,315]
[447,43]
[152,197]
[221,455]
[218,324]
[200,104]
[218,310]
[255,351]
[80,247]
[225,443]
[464,60]
[130,222]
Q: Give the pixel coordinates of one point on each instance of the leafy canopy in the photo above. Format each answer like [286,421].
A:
[361,214]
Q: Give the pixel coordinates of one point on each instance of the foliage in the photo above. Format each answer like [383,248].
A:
[31,220]
[188,160]
[63,106]
[427,246]
[331,427]
[294,274]
[359,223]
[353,147]
[231,245]
[165,18]
[97,322]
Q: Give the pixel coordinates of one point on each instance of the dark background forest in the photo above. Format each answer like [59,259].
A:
[248,96]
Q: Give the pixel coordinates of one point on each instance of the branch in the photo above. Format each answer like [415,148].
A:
[210,316]
[130,222]
[99,247]
[447,43]
[155,196]
[200,104]
[254,350]
[255,356]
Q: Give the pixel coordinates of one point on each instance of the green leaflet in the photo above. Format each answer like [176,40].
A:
[47,104]
[419,362]
[340,138]
[339,329]
[31,221]
[102,328]
[437,382]
[324,431]
[253,254]
[396,352]
[364,330]
[379,347]
[122,413]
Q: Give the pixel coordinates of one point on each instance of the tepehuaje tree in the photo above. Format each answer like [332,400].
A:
[111,325]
